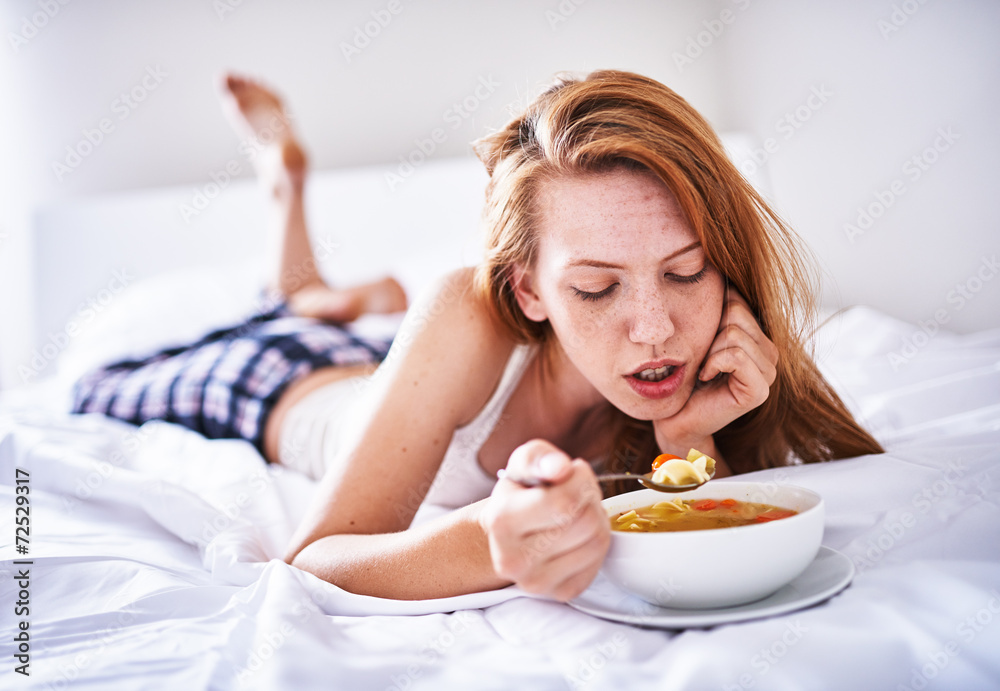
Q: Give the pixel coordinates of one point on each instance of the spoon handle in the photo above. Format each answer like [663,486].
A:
[618,476]
[523,481]
[538,482]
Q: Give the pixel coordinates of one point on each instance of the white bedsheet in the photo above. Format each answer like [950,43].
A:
[156,562]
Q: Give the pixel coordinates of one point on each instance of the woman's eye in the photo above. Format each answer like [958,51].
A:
[585,295]
[692,278]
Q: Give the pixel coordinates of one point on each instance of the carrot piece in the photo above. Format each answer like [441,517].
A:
[774,515]
[728,502]
[704,504]
[663,458]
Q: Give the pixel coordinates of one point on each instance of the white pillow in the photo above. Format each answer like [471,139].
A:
[171,309]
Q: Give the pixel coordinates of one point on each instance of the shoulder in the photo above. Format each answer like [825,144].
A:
[452,309]
[451,342]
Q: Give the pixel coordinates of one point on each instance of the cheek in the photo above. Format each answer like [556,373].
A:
[703,337]
[705,321]
[578,329]
[697,315]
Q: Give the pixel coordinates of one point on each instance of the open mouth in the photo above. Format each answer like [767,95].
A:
[657,382]
[655,375]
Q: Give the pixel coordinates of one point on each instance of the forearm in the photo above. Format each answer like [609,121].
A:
[444,557]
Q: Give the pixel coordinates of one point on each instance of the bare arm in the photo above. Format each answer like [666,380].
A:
[356,536]
[441,558]
[549,540]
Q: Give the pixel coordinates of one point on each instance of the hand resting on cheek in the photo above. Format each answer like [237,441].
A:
[735,378]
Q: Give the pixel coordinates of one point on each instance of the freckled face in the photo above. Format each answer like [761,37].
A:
[626,287]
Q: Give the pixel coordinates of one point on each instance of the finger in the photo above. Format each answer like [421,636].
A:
[545,507]
[519,555]
[746,382]
[569,536]
[575,584]
[737,312]
[564,503]
[567,575]
[733,337]
[538,461]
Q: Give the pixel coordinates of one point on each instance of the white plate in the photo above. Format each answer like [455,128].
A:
[828,574]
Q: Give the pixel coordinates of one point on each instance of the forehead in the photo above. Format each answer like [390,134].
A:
[612,215]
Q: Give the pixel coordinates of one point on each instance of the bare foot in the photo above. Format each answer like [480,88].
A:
[347,304]
[383,297]
[258,116]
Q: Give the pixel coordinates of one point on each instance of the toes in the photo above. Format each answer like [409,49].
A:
[232,82]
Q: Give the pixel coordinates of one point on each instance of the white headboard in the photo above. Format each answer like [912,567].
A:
[363,224]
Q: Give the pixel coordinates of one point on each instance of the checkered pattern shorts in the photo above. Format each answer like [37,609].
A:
[225,385]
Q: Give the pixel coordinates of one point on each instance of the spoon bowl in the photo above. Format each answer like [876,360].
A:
[645,480]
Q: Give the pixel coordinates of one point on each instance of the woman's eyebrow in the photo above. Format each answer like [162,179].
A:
[598,264]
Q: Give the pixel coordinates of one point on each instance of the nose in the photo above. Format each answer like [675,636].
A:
[650,321]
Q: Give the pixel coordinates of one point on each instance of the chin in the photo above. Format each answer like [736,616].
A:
[634,406]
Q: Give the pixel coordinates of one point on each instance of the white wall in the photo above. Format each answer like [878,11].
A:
[895,76]
[888,97]
[70,75]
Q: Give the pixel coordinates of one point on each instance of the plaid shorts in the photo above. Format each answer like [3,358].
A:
[224,385]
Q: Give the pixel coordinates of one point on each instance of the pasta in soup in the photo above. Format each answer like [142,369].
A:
[674,470]
[696,514]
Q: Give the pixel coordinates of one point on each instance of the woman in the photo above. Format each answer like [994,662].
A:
[637,297]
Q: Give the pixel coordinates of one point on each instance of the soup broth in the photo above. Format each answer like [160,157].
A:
[696,514]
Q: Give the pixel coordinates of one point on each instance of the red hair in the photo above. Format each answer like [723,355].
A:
[613,119]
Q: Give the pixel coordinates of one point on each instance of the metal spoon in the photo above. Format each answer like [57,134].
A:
[645,480]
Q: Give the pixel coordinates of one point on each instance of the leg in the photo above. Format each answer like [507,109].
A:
[281,167]
[302,458]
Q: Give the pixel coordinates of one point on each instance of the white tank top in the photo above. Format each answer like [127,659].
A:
[461,480]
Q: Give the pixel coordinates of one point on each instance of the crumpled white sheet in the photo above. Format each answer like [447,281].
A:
[156,563]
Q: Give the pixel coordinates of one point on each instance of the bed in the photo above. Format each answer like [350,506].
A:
[154,554]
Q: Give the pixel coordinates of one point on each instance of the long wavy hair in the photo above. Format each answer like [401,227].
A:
[613,119]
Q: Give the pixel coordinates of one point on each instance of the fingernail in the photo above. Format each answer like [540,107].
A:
[550,464]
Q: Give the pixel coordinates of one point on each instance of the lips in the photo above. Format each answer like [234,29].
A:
[655,380]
